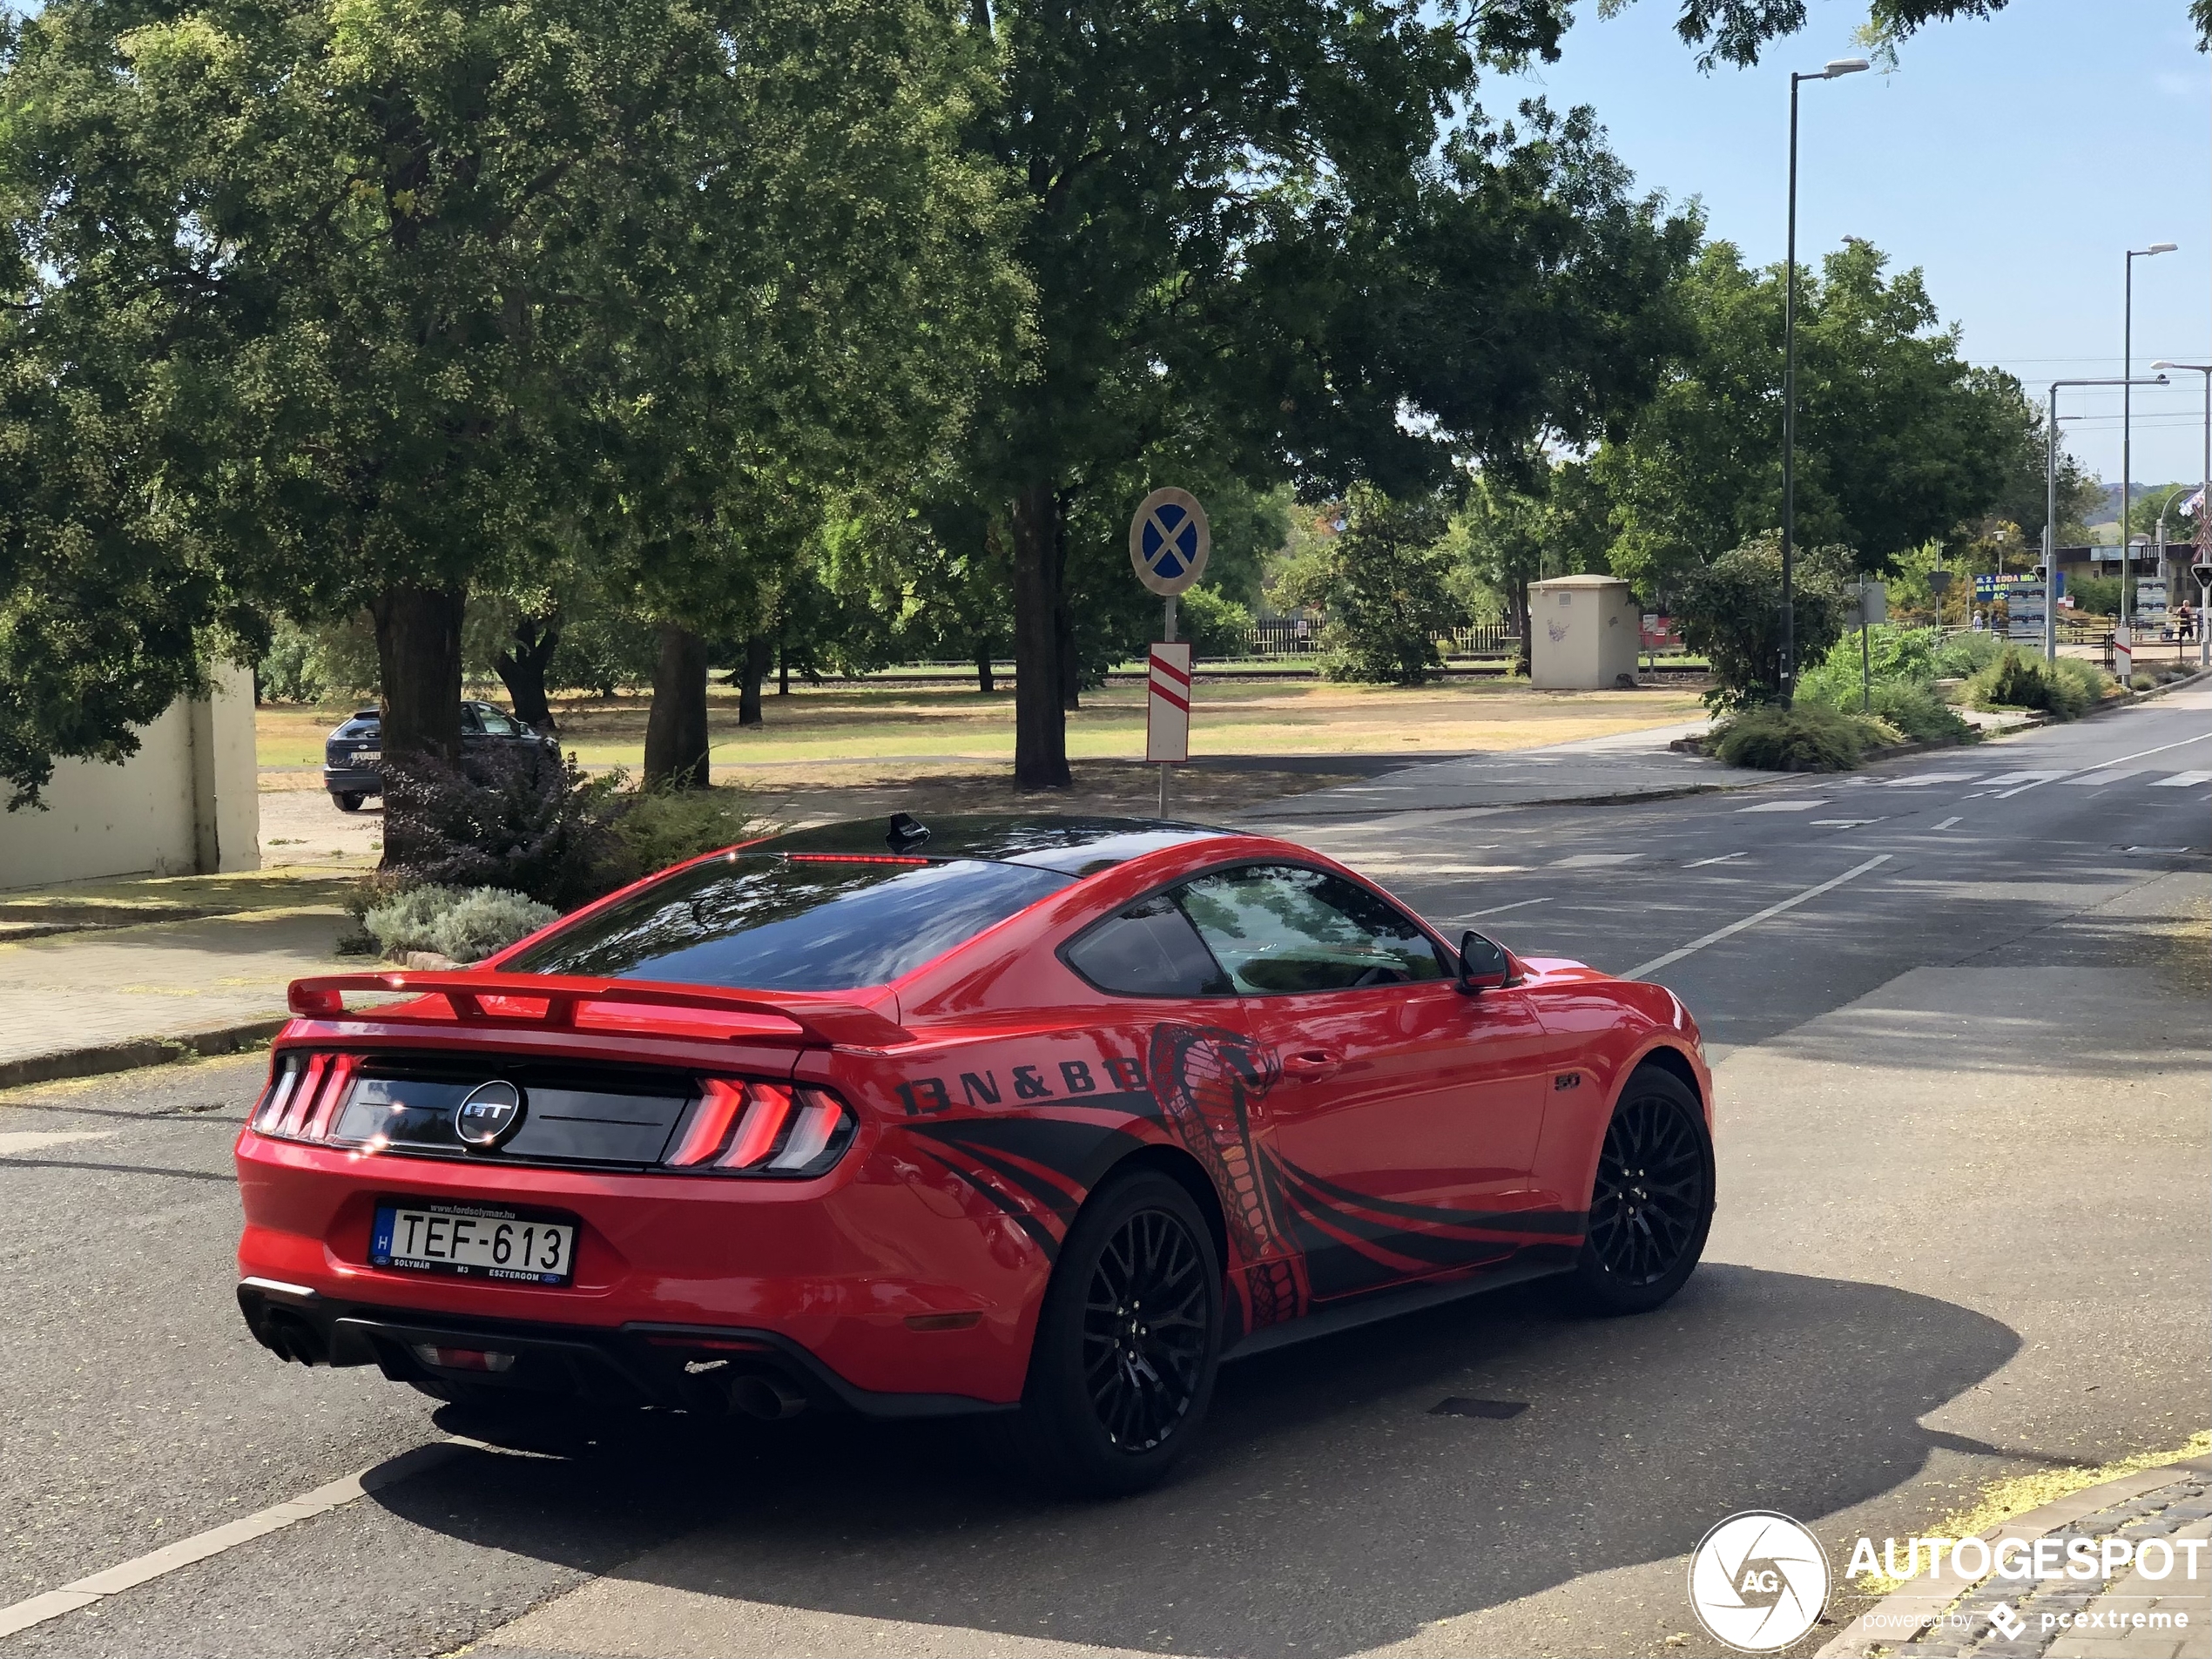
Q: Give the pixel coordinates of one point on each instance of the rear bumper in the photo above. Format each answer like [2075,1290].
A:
[353,780]
[852,1280]
[675,1368]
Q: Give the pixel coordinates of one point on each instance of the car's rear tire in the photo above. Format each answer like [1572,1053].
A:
[1128,1340]
[1651,1204]
[348,802]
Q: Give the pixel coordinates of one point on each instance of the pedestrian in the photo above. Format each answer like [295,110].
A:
[2184,621]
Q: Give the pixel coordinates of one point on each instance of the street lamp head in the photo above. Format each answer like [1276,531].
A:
[2161,366]
[2155,247]
[1836,66]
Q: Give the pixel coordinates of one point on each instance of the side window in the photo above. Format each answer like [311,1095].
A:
[495,723]
[470,723]
[1148,950]
[1277,927]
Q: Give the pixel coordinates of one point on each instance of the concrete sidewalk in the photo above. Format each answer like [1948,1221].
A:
[75,1004]
[1631,765]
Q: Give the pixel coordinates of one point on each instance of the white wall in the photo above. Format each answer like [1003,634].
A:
[186,804]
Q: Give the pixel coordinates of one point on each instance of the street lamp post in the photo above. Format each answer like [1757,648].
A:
[2203,500]
[1828,71]
[2051,508]
[2127,407]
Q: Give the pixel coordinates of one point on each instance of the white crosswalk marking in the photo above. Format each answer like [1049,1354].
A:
[1927,778]
[2021,782]
[2183,781]
[2098,779]
[1782,807]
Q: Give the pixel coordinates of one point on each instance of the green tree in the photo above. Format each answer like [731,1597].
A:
[1384,583]
[1730,612]
[1257,223]
[1898,440]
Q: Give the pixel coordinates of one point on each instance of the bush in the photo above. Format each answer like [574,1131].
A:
[1964,655]
[1807,738]
[658,828]
[2020,679]
[1216,624]
[514,818]
[1730,612]
[467,925]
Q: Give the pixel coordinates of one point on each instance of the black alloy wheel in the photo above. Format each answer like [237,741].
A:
[1122,1369]
[1145,1330]
[1652,1201]
[348,801]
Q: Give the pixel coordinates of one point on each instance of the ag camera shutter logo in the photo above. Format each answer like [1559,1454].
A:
[1758,1581]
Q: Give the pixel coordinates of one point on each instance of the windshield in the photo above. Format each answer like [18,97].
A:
[801,922]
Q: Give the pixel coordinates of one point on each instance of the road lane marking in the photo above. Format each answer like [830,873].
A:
[1782,807]
[1845,823]
[1947,823]
[2183,781]
[2160,750]
[2097,776]
[2035,780]
[1593,861]
[113,1580]
[1696,864]
[1495,910]
[1927,778]
[32,1140]
[1753,919]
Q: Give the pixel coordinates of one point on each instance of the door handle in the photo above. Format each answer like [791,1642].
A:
[1313,1064]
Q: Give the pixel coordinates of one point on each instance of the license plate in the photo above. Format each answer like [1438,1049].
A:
[474,1242]
[367,757]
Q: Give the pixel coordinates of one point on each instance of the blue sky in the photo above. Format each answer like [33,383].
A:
[2013,160]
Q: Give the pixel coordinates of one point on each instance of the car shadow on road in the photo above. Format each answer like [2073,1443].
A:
[1331,1509]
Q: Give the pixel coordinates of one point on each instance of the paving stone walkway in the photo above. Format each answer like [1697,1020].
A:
[72,993]
[2163,1614]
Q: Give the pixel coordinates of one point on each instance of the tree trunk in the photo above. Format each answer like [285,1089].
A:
[783,667]
[522,668]
[1517,616]
[759,656]
[985,682]
[1040,721]
[418,660]
[676,728]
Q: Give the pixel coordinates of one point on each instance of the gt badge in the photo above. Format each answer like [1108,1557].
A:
[492,1112]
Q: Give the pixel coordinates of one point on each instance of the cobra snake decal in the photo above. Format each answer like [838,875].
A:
[1206,1080]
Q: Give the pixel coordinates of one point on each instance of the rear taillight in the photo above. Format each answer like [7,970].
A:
[304,1096]
[762,1129]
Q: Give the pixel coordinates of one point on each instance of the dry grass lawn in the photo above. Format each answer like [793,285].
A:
[919,730]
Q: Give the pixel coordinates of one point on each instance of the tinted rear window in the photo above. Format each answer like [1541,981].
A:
[800,923]
[1148,950]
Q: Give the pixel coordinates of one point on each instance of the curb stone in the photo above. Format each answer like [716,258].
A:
[1900,1620]
[140,1051]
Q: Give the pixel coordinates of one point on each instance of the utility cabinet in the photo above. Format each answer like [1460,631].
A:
[1582,633]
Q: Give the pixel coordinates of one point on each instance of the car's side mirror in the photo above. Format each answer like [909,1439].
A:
[1484,965]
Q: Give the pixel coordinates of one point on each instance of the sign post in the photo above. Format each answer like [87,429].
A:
[2202,572]
[1168,539]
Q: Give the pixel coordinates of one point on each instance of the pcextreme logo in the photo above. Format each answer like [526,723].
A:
[1758,1581]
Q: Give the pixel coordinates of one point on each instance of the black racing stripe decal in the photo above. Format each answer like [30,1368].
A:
[1054,1197]
[1082,1151]
[1566,1223]
[1022,1218]
[1334,1266]
[1417,1251]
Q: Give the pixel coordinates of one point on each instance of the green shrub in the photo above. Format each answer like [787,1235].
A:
[1964,655]
[2020,679]
[657,828]
[1915,710]
[465,924]
[1809,737]
[1215,625]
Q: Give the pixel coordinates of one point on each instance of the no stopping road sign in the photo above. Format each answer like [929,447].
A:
[1169,541]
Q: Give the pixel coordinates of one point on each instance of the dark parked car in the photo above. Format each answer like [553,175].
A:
[352,756]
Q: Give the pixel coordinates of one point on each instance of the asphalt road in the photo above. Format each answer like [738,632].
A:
[1963,1234]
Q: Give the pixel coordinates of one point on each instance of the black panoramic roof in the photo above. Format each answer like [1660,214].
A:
[1073,845]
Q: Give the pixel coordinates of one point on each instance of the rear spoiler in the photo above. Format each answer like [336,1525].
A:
[840,1025]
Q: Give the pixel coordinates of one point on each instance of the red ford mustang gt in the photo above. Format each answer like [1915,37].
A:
[1034,1116]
